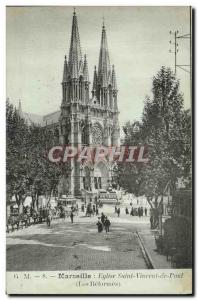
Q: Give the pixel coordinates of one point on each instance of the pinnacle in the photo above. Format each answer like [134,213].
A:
[95,80]
[65,70]
[113,79]
[85,69]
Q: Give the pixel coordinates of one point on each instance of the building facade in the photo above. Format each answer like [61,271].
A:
[86,120]
[88,115]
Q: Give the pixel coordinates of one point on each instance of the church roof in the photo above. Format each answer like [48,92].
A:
[32,118]
[29,117]
[51,118]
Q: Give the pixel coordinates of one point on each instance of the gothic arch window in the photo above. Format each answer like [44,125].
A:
[84,137]
[97,135]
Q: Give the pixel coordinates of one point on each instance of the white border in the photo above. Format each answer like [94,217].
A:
[3,3]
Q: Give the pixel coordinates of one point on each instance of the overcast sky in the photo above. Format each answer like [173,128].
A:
[138,42]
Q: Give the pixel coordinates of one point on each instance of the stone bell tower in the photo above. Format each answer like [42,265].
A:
[88,120]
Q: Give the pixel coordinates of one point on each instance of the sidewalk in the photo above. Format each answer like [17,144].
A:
[147,237]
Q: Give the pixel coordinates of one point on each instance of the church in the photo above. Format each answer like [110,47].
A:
[88,115]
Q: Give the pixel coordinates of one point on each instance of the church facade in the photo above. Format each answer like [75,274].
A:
[88,115]
[88,119]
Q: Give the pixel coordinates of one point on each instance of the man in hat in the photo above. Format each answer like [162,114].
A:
[107,224]
[99,225]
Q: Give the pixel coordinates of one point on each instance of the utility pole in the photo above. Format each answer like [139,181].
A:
[177,37]
[176,50]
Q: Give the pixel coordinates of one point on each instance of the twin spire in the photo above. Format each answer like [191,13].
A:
[76,66]
[104,69]
[105,76]
[75,54]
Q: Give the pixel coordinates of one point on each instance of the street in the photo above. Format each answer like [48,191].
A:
[78,246]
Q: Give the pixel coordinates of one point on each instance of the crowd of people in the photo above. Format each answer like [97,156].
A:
[137,211]
[90,209]
[133,211]
[103,222]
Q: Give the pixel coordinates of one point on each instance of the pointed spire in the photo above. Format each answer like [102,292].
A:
[104,61]
[65,70]
[75,55]
[113,79]
[19,110]
[85,70]
[95,80]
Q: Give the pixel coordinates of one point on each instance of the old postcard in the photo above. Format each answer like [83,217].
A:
[98,149]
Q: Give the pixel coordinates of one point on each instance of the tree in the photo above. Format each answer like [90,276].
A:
[43,175]
[16,138]
[166,129]
[28,170]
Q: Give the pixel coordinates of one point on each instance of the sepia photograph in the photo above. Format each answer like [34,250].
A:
[99,149]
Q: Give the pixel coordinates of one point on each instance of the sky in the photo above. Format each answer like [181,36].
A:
[37,38]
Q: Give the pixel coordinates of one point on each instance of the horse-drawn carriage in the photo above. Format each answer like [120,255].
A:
[15,221]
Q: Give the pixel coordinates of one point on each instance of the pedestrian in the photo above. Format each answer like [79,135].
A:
[82,208]
[107,224]
[102,218]
[151,221]
[127,211]
[63,214]
[72,217]
[142,211]
[91,211]
[118,212]
[139,212]
[94,209]
[97,211]
[132,212]
[25,217]
[99,225]
[49,219]
[145,211]
[34,216]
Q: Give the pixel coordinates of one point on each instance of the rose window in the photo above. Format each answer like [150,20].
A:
[97,135]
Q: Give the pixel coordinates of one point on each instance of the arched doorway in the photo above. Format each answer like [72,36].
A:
[101,176]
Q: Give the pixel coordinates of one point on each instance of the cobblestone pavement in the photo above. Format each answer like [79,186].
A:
[78,246]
